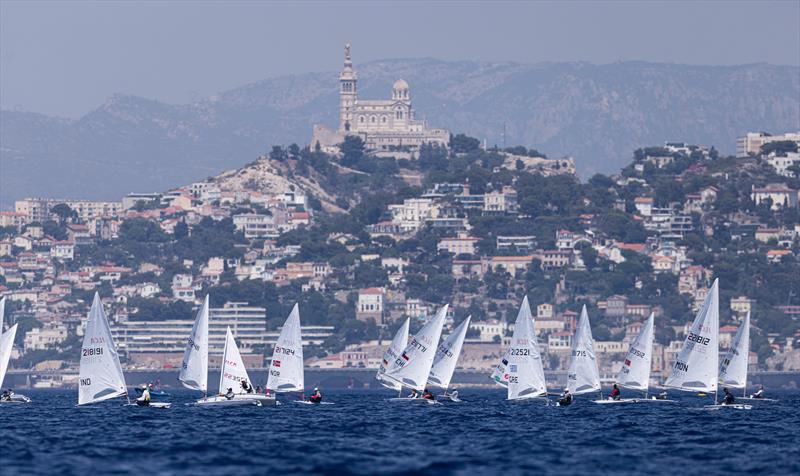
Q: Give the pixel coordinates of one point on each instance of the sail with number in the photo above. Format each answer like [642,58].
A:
[583,375]
[525,370]
[412,367]
[6,343]
[194,370]
[733,369]
[286,367]
[101,375]
[635,372]
[444,363]
[697,365]
[232,373]
[399,342]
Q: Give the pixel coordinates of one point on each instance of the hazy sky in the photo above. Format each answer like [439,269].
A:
[65,58]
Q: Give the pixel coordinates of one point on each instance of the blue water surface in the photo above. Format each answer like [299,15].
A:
[363,433]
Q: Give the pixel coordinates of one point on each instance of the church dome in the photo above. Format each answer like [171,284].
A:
[400,84]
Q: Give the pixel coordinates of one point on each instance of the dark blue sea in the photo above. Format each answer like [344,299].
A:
[363,433]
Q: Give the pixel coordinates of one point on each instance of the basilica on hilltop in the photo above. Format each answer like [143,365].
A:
[383,124]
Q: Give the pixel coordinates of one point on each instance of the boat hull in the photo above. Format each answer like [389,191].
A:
[221,401]
[17,398]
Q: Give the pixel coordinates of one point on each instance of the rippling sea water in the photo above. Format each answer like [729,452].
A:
[363,433]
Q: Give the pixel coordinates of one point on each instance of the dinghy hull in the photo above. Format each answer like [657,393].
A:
[221,401]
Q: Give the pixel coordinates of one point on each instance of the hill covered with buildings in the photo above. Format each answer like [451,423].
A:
[363,241]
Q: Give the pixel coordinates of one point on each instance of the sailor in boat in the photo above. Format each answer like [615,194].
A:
[144,400]
[759,393]
[661,396]
[229,394]
[258,388]
[413,394]
[427,395]
[315,397]
[728,400]
[6,396]
[566,398]
[615,393]
[247,388]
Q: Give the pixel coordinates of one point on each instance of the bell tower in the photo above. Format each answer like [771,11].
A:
[348,95]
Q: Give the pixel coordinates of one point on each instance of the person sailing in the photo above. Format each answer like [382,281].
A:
[427,395]
[6,396]
[728,400]
[246,387]
[144,400]
[414,393]
[661,396]
[615,393]
[315,397]
[759,393]
[229,394]
[566,398]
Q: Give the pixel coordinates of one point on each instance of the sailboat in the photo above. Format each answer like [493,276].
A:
[399,342]
[286,368]
[444,363]
[583,375]
[412,368]
[733,368]
[233,372]
[6,345]
[194,370]
[696,366]
[635,371]
[525,373]
[100,375]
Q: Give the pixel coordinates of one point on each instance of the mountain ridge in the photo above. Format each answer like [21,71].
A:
[595,113]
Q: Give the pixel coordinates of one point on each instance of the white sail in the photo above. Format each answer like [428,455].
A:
[733,369]
[412,367]
[286,368]
[635,372]
[100,376]
[583,375]
[2,314]
[697,364]
[444,363]
[399,342]
[232,372]
[525,371]
[194,370]
[500,371]
[6,344]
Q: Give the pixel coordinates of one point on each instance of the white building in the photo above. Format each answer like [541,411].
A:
[411,214]
[254,225]
[781,163]
[384,124]
[45,337]
[779,195]
[458,245]
[370,305]
[750,143]
[490,330]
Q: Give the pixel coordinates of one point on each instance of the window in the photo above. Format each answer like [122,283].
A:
[361,119]
[383,119]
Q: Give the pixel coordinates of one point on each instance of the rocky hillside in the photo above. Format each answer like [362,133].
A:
[596,113]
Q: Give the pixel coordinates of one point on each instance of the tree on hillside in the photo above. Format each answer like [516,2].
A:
[462,144]
[352,150]
[63,212]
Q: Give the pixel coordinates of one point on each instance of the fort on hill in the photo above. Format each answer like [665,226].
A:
[383,124]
